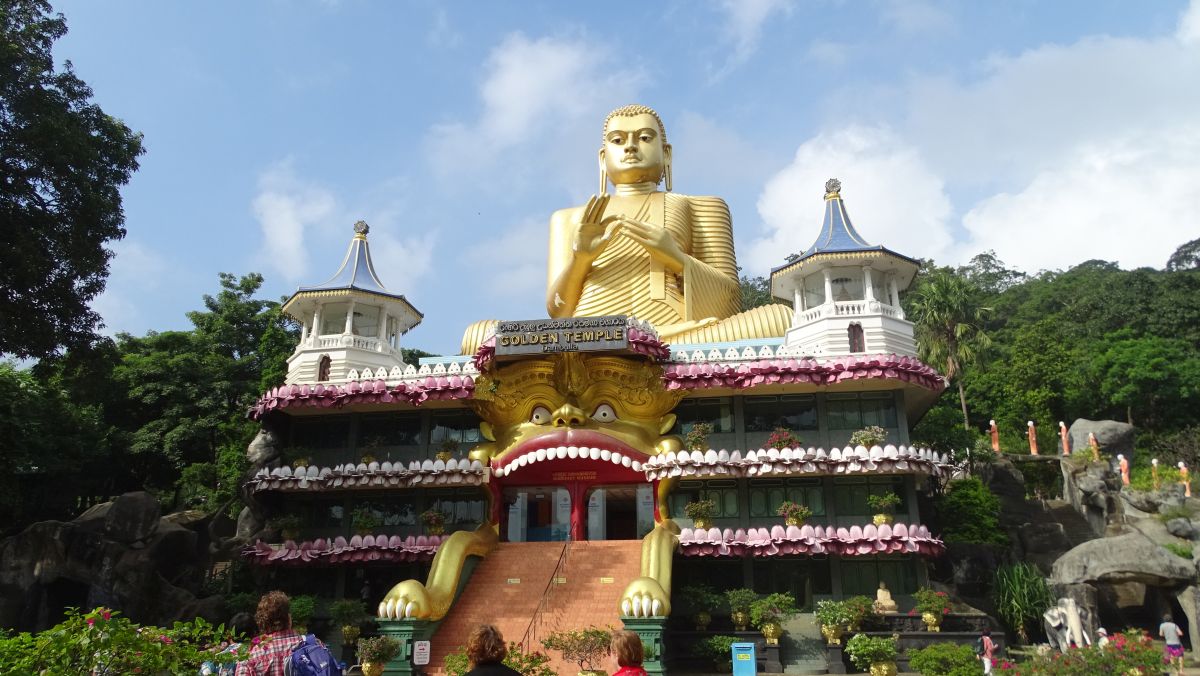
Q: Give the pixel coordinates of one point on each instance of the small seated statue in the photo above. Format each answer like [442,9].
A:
[883,600]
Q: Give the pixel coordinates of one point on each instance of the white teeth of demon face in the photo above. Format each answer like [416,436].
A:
[532,457]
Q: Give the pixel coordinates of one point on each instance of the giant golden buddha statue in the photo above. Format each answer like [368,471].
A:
[654,254]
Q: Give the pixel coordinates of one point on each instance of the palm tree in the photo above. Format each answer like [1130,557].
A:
[949,326]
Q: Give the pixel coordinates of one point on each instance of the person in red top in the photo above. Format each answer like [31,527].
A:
[987,650]
[276,640]
[627,646]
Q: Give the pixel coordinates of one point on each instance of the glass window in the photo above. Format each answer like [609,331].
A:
[852,492]
[623,512]
[325,432]
[765,499]
[390,429]
[366,320]
[460,426]
[862,576]
[856,411]
[538,514]
[333,318]
[717,411]
[722,492]
[463,511]
[796,412]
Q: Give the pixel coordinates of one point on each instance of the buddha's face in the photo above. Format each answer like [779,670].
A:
[634,151]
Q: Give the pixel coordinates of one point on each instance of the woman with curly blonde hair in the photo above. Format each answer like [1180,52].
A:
[486,652]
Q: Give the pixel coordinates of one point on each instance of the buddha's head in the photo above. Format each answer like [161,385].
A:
[635,148]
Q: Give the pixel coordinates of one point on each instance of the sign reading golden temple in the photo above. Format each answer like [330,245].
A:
[570,334]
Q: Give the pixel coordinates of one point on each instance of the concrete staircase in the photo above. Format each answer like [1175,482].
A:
[530,589]
[803,647]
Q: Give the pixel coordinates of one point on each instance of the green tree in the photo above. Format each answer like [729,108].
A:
[62,163]
[1186,257]
[948,315]
[1157,377]
[756,292]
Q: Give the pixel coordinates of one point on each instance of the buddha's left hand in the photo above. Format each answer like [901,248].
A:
[657,241]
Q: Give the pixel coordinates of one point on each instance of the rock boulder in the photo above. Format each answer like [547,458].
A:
[1112,436]
[132,518]
[1125,558]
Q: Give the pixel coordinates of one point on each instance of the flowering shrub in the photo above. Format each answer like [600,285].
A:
[833,613]
[930,601]
[944,659]
[867,650]
[697,438]
[433,518]
[782,438]
[859,609]
[869,436]
[790,510]
[1131,652]
[104,643]
[527,663]
[700,510]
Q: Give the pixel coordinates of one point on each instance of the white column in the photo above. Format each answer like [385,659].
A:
[349,319]
[303,330]
[382,331]
[828,285]
[868,286]
[316,324]
[798,299]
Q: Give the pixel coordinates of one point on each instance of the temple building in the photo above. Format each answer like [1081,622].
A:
[544,480]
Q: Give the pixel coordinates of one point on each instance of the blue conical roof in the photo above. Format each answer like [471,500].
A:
[357,271]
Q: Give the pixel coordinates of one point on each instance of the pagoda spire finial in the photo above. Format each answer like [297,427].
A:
[361,229]
[833,188]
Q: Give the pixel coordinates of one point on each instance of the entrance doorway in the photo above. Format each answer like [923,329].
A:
[537,514]
[621,512]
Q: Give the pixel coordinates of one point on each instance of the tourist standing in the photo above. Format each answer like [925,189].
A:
[986,650]
[627,646]
[276,640]
[486,652]
[1173,650]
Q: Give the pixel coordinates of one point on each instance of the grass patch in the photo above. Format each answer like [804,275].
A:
[1176,512]
[1179,549]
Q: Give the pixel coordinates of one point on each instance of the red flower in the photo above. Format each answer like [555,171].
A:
[106,614]
[91,621]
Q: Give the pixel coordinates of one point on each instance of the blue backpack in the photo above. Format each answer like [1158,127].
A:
[312,658]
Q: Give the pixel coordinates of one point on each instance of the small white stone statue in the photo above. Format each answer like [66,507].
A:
[883,600]
[1064,625]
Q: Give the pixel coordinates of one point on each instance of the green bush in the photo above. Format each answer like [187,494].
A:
[970,513]
[1130,652]
[526,663]
[700,598]
[944,659]
[860,608]
[303,607]
[867,650]
[772,608]
[1042,479]
[104,642]
[942,430]
[1021,596]
[720,650]
[1179,549]
[581,646]
[740,599]
[1174,512]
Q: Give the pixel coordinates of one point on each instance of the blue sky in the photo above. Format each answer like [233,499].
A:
[1050,132]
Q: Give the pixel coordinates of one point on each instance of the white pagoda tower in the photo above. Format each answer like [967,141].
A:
[846,292]
[351,324]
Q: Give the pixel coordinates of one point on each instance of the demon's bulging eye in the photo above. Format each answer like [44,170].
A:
[604,413]
[540,416]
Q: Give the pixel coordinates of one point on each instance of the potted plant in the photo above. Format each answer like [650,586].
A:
[434,520]
[877,654]
[872,435]
[375,652]
[701,600]
[303,607]
[288,525]
[701,512]
[833,616]
[739,601]
[584,647]
[447,449]
[884,506]
[793,514]
[770,612]
[720,649]
[932,606]
[363,519]
[858,609]
[367,458]
[348,614]
[782,438]
[696,438]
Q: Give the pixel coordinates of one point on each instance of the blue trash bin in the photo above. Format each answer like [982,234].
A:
[744,663]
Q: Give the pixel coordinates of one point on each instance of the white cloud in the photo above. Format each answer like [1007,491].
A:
[744,20]
[401,261]
[286,208]
[911,18]
[120,305]
[539,101]
[1189,24]
[1132,200]
[892,196]
[522,257]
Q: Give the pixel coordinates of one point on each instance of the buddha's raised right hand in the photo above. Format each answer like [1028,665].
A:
[595,231]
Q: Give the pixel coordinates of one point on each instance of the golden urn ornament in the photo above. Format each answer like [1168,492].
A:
[933,621]
[772,631]
[373,668]
[741,620]
[883,669]
[832,633]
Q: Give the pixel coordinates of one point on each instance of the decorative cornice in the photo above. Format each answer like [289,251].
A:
[693,375]
[808,539]
[358,549]
[775,462]
[386,474]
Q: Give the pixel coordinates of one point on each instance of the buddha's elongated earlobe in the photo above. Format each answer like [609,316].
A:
[667,166]
[603,175]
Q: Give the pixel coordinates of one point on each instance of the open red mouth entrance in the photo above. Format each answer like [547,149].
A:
[572,483]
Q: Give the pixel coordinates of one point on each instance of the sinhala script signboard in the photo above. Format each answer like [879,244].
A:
[571,334]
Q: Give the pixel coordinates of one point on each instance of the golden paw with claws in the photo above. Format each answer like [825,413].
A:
[406,600]
[644,597]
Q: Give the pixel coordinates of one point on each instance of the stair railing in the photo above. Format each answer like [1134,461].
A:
[559,569]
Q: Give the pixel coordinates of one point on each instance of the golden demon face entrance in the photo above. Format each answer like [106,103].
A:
[566,439]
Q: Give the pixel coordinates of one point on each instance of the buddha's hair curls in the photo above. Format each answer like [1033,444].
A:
[631,110]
